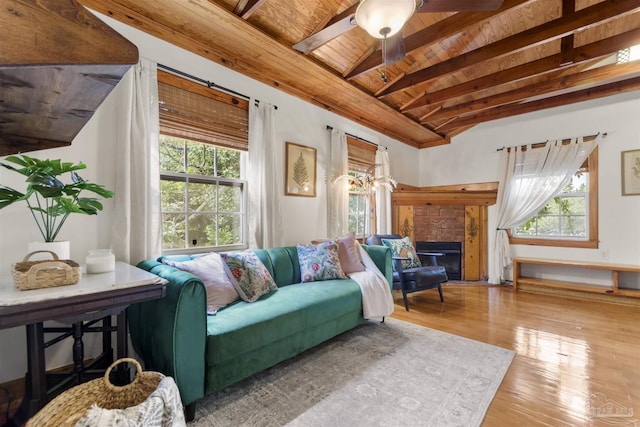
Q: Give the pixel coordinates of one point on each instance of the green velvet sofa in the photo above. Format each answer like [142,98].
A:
[204,353]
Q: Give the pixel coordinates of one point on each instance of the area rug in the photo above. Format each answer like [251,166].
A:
[378,374]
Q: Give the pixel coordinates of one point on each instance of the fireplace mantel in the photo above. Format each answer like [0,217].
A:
[479,194]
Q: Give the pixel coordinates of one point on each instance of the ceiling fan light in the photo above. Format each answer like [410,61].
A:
[384,18]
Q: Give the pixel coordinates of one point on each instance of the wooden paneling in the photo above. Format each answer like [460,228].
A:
[217,34]
[472,241]
[466,194]
[460,69]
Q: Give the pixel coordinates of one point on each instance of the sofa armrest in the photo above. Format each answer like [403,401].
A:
[381,255]
[169,334]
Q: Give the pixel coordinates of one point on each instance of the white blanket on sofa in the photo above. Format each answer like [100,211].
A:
[377,301]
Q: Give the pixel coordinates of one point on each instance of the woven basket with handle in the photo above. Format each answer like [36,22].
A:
[46,273]
[67,408]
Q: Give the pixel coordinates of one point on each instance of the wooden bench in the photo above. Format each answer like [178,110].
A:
[613,289]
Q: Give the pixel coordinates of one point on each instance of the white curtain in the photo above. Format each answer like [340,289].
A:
[337,192]
[528,180]
[383,193]
[137,226]
[264,178]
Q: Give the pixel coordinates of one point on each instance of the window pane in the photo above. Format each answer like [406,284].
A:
[202,230]
[200,159]
[574,206]
[575,225]
[356,213]
[171,154]
[529,228]
[552,208]
[229,227]
[230,198]
[549,225]
[228,163]
[172,196]
[173,231]
[202,197]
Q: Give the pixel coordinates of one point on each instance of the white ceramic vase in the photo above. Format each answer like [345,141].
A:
[62,249]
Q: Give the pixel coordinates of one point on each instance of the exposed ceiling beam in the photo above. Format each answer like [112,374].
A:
[555,101]
[546,32]
[608,72]
[540,67]
[435,33]
[338,25]
[215,33]
[246,8]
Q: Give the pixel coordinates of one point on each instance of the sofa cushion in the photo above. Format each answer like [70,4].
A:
[242,327]
[210,269]
[348,253]
[319,262]
[249,275]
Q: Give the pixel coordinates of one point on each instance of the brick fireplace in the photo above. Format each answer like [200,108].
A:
[454,214]
[441,229]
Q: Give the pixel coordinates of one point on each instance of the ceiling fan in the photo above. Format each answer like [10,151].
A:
[383,19]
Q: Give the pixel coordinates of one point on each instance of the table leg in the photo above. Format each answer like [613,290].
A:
[78,351]
[36,367]
[122,374]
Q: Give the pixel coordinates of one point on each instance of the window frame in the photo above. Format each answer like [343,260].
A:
[592,222]
[361,156]
[209,137]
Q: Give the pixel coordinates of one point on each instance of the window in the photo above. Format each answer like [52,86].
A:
[357,206]
[569,219]
[203,139]
[362,157]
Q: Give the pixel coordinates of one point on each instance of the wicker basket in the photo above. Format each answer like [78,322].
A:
[67,408]
[45,274]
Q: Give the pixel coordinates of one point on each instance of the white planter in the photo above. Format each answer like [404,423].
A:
[62,249]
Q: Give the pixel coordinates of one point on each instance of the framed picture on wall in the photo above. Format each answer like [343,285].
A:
[631,172]
[301,170]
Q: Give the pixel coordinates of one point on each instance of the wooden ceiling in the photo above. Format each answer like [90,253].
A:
[461,69]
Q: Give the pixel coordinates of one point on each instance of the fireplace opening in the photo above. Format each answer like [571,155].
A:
[451,260]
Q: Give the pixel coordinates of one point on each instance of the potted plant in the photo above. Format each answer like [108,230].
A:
[50,200]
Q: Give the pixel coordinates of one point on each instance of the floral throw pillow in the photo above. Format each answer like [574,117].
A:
[248,275]
[404,249]
[348,253]
[319,261]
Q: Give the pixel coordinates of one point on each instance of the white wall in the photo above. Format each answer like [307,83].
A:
[472,157]
[296,121]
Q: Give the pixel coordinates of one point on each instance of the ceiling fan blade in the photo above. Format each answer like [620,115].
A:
[394,50]
[325,35]
[459,5]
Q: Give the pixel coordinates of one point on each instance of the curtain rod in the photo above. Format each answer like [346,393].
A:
[359,138]
[207,83]
[540,144]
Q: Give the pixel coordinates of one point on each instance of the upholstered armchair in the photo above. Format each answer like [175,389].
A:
[410,274]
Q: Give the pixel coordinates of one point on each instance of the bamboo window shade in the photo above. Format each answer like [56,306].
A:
[362,155]
[195,112]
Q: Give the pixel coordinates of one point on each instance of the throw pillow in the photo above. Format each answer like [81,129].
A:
[348,253]
[249,275]
[320,261]
[404,249]
[210,269]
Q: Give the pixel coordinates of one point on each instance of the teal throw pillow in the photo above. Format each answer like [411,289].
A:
[248,275]
[319,261]
[404,249]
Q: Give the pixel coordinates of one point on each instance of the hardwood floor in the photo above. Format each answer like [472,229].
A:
[571,355]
